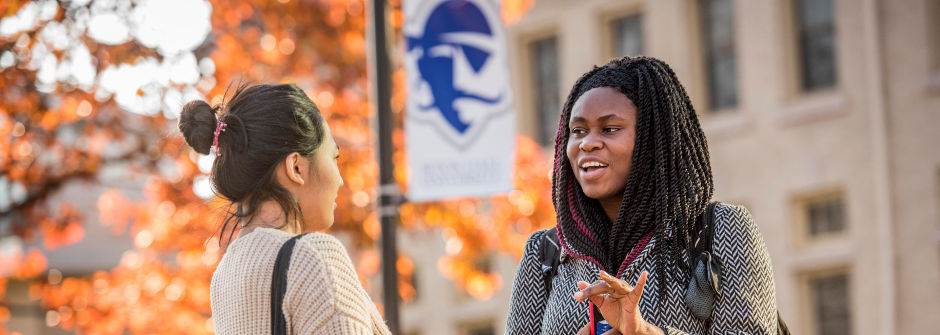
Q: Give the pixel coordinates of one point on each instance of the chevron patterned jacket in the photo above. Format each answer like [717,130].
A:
[745,305]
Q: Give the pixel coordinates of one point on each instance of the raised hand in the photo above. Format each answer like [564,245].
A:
[619,303]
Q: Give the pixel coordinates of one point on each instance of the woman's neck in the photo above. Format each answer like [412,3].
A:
[611,207]
[268,215]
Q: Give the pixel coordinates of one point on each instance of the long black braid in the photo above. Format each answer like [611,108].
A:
[670,180]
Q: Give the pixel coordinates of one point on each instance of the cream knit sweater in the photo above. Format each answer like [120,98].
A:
[323,292]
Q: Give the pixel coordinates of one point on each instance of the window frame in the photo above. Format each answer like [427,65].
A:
[834,216]
[799,31]
[810,324]
[608,14]
[800,209]
[932,33]
[705,55]
[542,136]
[466,327]
[613,31]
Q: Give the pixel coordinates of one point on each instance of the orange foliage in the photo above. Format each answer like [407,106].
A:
[64,229]
[513,10]
[67,133]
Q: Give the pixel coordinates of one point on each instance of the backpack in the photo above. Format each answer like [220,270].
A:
[704,284]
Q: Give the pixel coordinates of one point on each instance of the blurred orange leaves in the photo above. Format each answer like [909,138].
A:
[115,210]
[162,286]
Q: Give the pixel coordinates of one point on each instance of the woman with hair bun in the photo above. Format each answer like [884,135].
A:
[276,166]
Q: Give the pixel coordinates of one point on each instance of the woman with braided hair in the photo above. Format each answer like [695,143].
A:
[631,182]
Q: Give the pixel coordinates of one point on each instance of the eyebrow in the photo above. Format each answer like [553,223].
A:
[600,119]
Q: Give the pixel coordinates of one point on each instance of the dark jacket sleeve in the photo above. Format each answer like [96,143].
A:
[747,303]
[529,295]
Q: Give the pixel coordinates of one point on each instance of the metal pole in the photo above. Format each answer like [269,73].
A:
[388,194]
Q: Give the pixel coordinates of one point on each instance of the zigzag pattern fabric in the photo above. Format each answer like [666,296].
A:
[745,305]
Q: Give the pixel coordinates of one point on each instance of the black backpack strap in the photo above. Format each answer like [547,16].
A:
[704,267]
[709,229]
[279,286]
[703,241]
[782,328]
[549,256]
[703,235]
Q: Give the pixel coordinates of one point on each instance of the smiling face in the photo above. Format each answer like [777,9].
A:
[600,143]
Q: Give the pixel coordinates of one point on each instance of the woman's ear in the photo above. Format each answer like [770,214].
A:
[295,167]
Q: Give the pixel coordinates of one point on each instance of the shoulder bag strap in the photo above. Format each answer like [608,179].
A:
[279,286]
[549,255]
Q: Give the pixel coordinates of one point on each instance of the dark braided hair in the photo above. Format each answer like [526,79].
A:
[670,181]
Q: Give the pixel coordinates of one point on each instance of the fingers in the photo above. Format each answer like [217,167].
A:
[597,288]
[582,285]
[640,284]
[619,286]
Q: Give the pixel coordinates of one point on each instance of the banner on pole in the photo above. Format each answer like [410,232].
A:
[459,126]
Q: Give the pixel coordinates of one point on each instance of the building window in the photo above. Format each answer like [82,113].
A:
[544,60]
[830,299]
[628,35]
[717,17]
[825,216]
[933,33]
[815,22]
[481,330]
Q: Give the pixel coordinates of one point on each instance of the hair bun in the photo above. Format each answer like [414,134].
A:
[197,123]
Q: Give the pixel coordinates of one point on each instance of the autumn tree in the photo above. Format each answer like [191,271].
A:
[80,102]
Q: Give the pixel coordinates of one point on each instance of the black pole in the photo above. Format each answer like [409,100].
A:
[388,194]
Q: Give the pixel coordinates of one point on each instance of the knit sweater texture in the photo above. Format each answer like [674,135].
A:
[323,295]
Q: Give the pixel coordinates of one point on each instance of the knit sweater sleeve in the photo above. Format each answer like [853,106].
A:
[529,295]
[747,302]
[324,295]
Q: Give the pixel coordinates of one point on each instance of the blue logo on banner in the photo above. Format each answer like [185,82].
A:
[454,28]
